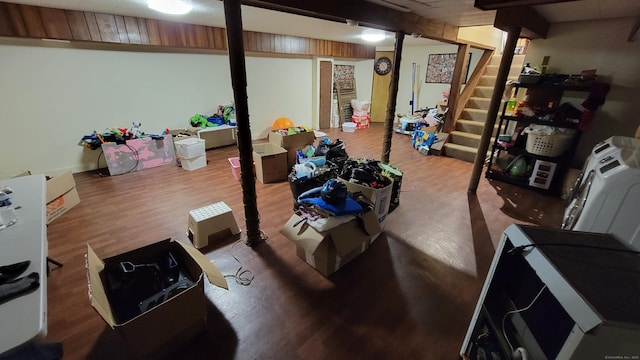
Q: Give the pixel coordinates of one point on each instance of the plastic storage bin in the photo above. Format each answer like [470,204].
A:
[548,145]
[235,167]
[190,148]
[194,163]
[349,127]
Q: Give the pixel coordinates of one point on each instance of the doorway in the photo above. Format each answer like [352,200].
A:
[326,94]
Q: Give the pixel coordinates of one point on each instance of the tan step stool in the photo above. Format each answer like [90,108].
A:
[209,220]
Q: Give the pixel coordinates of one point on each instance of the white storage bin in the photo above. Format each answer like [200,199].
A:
[193,163]
[190,148]
[349,127]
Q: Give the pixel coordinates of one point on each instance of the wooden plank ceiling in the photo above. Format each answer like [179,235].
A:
[26,21]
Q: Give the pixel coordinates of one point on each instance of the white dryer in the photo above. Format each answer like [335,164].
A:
[608,147]
[607,199]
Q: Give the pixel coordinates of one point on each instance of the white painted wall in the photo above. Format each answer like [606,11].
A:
[600,45]
[50,97]
[278,87]
[487,35]
[430,93]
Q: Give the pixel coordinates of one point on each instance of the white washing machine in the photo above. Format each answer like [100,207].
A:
[607,199]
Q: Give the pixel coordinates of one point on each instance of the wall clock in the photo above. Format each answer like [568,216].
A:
[382,66]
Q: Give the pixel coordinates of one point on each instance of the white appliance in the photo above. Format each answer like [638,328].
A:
[559,295]
[612,145]
[606,196]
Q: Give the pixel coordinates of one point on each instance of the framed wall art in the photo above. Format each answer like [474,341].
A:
[440,68]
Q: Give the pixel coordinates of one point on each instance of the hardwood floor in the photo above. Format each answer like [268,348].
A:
[410,296]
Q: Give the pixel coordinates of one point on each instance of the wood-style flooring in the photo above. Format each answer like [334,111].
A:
[410,296]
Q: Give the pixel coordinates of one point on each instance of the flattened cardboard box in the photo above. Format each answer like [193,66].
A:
[183,134]
[170,323]
[330,250]
[218,136]
[62,195]
[292,143]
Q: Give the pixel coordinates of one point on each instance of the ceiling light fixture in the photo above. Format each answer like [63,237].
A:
[373,35]
[390,5]
[173,7]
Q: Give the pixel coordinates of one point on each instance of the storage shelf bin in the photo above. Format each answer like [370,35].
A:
[548,145]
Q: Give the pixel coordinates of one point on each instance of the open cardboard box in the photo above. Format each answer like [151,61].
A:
[270,161]
[62,195]
[380,198]
[328,251]
[168,324]
[292,143]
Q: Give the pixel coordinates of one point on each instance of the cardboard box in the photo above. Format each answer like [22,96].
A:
[173,321]
[292,143]
[181,134]
[218,136]
[329,251]
[438,146]
[381,198]
[270,161]
[61,195]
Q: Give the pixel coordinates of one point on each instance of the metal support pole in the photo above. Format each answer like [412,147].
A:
[494,106]
[233,19]
[393,94]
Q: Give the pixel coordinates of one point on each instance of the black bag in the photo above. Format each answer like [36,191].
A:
[300,185]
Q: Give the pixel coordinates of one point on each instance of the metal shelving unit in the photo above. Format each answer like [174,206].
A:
[502,156]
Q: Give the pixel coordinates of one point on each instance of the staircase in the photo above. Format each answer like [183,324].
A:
[465,138]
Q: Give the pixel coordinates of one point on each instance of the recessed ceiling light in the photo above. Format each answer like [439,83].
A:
[372,35]
[173,7]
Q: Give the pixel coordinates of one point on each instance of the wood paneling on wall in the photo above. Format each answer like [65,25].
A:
[26,21]
[284,44]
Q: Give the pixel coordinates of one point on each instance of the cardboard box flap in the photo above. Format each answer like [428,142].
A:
[371,224]
[213,274]
[350,236]
[59,185]
[97,294]
[294,141]
[302,234]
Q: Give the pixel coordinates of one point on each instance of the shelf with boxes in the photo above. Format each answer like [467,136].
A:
[536,136]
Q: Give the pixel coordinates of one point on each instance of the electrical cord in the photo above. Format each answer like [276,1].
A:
[101,174]
[411,188]
[504,333]
[133,151]
[520,249]
[242,277]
